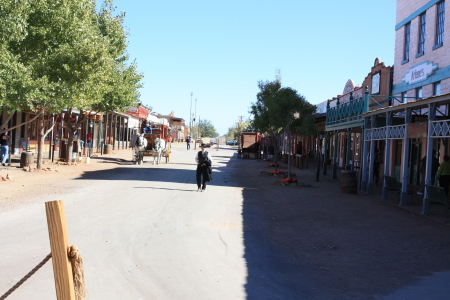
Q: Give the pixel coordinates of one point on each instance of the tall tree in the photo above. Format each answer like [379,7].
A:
[234,132]
[207,129]
[61,54]
[64,57]
[123,81]
[279,109]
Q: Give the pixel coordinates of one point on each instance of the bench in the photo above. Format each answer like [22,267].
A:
[437,196]
[393,185]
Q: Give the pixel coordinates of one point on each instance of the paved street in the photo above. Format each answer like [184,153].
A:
[145,233]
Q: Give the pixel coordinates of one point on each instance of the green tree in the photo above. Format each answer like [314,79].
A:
[207,129]
[234,132]
[123,81]
[278,110]
[61,54]
[62,57]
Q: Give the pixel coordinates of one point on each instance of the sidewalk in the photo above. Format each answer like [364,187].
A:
[437,211]
[351,246]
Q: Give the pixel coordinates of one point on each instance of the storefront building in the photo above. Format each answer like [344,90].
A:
[417,121]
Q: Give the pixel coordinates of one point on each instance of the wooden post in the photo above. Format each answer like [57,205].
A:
[62,269]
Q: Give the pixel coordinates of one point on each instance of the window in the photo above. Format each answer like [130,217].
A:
[406,45]
[440,24]
[418,93]
[404,97]
[437,88]
[422,27]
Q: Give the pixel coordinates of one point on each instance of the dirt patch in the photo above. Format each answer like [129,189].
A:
[19,186]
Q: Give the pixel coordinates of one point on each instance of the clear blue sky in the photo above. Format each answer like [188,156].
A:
[219,50]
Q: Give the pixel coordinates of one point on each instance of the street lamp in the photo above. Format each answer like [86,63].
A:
[320,135]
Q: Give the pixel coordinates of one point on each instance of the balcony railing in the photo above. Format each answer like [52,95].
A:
[351,111]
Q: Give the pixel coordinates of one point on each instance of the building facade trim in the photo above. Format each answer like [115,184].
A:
[438,75]
[416,14]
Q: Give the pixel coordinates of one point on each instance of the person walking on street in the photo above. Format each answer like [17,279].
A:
[188,142]
[4,143]
[434,167]
[443,174]
[203,173]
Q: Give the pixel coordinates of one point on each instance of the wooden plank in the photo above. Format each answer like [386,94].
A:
[59,244]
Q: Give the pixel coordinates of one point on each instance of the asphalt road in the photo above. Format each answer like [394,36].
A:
[144,232]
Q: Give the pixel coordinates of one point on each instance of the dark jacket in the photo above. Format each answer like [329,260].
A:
[203,160]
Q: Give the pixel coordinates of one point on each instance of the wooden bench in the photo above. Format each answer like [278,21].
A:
[437,196]
[393,185]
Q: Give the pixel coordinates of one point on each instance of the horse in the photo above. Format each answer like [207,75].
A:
[159,147]
[139,149]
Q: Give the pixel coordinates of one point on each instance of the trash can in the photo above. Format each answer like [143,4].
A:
[108,149]
[26,159]
[348,182]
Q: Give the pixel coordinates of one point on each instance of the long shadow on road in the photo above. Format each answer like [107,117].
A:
[315,242]
[318,243]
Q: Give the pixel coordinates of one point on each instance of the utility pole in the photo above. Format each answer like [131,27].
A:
[195,144]
[190,114]
[195,111]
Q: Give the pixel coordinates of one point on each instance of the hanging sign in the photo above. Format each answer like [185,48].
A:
[417,130]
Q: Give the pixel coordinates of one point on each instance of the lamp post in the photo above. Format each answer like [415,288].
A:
[320,138]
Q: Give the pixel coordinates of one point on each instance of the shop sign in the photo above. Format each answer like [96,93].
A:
[420,72]
[417,130]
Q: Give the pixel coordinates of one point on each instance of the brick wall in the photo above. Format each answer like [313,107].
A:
[440,56]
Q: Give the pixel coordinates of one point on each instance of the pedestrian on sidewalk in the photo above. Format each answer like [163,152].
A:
[5,140]
[443,174]
[434,167]
[204,170]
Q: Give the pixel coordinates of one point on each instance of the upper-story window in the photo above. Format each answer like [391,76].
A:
[440,24]
[418,93]
[422,27]
[406,45]
[437,88]
[404,97]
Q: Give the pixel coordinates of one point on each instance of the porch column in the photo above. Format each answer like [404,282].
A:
[114,131]
[405,160]
[429,161]
[325,156]
[106,130]
[364,158]
[348,157]
[372,155]
[335,154]
[387,153]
